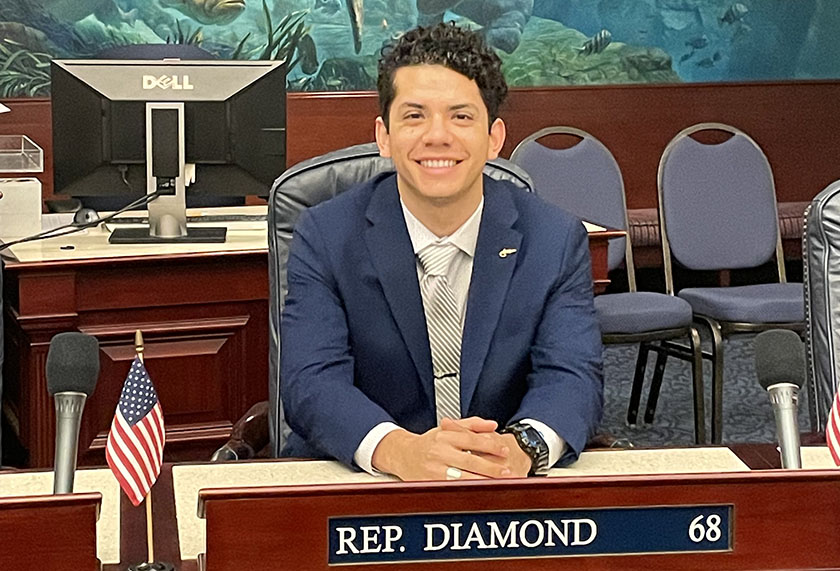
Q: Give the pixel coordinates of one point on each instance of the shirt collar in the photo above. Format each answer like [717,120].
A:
[464,238]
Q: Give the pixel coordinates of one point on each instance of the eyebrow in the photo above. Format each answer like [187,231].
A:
[457,107]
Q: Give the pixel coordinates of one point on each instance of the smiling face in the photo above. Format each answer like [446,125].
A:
[439,139]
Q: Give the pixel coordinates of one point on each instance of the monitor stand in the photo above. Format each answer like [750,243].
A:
[166,174]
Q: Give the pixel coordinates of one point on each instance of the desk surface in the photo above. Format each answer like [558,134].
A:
[189,479]
[177,492]
[93,243]
[97,480]
[86,245]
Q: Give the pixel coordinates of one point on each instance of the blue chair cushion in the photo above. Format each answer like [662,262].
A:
[641,312]
[760,303]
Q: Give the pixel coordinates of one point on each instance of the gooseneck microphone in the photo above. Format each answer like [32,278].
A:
[780,367]
[72,370]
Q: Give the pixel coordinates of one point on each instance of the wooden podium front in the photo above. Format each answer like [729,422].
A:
[203,311]
[41,533]
[777,519]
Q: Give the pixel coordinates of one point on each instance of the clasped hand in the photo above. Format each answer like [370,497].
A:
[470,445]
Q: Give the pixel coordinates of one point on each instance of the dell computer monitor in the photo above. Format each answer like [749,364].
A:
[195,129]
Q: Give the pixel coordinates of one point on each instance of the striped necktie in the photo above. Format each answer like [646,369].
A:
[443,321]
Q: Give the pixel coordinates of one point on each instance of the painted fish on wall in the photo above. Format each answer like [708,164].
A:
[219,12]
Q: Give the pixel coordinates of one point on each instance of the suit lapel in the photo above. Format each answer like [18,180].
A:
[390,250]
[489,283]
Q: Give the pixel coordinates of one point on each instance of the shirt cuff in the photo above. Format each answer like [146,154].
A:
[556,445]
[364,453]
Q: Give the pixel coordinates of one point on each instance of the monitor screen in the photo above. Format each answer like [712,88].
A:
[234,125]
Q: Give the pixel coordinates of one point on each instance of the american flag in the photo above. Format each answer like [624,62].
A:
[135,444]
[832,430]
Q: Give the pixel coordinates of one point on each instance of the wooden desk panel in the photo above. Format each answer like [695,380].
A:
[781,520]
[49,532]
[721,487]
[205,324]
[598,243]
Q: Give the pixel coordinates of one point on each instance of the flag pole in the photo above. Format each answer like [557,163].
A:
[150,564]
[150,539]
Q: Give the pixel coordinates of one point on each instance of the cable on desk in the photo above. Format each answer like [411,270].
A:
[74,227]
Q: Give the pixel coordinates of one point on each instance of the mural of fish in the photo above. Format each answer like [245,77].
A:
[698,42]
[597,43]
[734,13]
[106,11]
[218,12]
[328,7]
[308,54]
[356,9]
[503,20]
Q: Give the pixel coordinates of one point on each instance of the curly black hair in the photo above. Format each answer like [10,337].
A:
[446,44]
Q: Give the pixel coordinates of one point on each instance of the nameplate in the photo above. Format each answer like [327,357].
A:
[522,534]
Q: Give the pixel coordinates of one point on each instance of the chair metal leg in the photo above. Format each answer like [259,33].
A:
[717,377]
[699,393]
[655,385]
[638,381]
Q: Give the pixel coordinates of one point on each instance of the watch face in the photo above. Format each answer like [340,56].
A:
[531,437]
[532,443]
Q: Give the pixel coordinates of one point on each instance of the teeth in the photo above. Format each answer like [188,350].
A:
[437,164]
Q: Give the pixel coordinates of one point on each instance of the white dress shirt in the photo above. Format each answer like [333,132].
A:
[458,276]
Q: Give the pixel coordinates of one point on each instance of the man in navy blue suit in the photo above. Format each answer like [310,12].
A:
[438,323]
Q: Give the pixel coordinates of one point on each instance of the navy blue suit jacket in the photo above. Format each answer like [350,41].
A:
[355,350]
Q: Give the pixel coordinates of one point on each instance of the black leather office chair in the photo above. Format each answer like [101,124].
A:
[306,184]
[821,265]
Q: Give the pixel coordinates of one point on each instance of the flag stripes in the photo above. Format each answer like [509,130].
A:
[134,450]
[832,430]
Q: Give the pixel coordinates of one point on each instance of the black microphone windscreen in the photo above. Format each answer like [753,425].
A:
[72,363]
[779,358]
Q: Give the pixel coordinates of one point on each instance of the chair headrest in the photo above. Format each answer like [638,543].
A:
[321,178]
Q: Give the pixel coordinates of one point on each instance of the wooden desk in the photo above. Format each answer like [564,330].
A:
[49,532]
[598,243]
[790,497]
[203,311]
[779,519]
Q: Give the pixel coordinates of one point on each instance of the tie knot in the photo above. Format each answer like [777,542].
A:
[435,258]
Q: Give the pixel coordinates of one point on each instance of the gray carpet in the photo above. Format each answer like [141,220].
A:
[747,414]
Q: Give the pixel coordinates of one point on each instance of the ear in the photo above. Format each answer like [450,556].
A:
[498,132]
[383,139]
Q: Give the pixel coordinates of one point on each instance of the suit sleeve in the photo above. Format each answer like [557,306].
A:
[565,386]
[320,401]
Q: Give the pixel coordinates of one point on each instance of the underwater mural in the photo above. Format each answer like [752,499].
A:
[334,44]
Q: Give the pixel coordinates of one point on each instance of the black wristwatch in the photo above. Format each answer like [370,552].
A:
[532,443]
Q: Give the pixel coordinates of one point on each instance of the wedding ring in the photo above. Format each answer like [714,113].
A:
[453,473]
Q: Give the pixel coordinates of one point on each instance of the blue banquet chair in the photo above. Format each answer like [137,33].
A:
[717,211]
[585,179]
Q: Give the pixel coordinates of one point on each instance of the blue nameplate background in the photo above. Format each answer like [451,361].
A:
[543,533]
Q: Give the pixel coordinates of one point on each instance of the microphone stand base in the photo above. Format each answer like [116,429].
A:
[154,566]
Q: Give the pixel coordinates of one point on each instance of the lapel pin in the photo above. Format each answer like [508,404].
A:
[505,252]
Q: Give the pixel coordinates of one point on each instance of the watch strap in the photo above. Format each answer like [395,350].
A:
[532,443]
